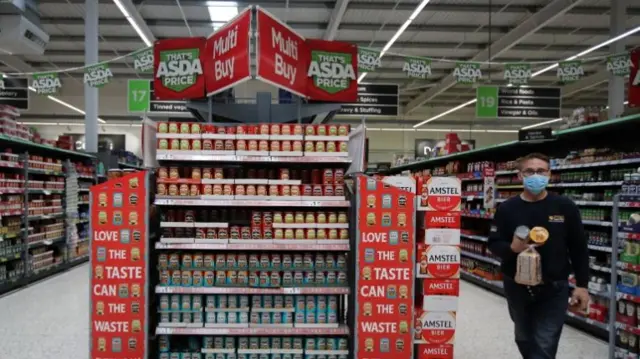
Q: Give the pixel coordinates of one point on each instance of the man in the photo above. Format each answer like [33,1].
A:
[538,312]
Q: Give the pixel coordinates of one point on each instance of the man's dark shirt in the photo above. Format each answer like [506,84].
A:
[565,248]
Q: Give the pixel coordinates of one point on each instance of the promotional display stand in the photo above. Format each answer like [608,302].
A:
[119,267]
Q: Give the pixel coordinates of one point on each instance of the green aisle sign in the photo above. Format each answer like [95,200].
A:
[138,95]
[487,101]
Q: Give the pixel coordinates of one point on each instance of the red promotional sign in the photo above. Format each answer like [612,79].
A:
[282,55]
[178,72]
[435,219]
[443,194]
[634,80]
[434,286]
[333,71]
[435,351]
[118,268]
[385,265]
[227,61]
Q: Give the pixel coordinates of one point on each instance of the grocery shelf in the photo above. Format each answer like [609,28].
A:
[129,165]
[480,257]
[256,246]
[176,155]
[568,184]
[341,330]
[47,242]
[629,297]
[179,201]
[249,290]
[474,237]
[600,248]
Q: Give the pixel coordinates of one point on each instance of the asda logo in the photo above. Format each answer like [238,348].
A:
[46,84]
[331,71]
[143,62]
[179,69]
[98,76]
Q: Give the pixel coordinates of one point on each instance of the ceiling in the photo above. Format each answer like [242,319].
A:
[520,30]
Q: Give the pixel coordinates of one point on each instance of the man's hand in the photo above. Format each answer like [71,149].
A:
[580,299]
[518,245]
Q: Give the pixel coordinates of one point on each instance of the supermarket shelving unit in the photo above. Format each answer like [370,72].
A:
[598,214]
[171,329]
[35,241]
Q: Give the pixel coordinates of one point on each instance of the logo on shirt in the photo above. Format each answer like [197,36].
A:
[556,219]
[494,229]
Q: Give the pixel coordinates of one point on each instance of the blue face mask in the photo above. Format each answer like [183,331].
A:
[535,183]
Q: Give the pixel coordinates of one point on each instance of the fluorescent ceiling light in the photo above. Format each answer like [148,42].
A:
[133,23]
[548,68]
[221,11]
[398,33]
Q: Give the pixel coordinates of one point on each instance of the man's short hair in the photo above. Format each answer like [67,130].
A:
[532,156]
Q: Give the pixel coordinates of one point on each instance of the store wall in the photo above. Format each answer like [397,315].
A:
[383,145]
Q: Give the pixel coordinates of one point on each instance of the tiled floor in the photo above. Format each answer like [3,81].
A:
[51,320]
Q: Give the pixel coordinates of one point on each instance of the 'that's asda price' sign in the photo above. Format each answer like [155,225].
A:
[178,72]
[332,73]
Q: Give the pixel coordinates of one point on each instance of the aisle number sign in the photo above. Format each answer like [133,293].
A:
[518,102]
[141,99]
[119,235]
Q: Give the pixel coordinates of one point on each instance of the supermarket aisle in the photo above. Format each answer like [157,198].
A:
[484,329]
[49,319]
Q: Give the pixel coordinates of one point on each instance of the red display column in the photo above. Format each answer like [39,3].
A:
[118,268]
[439,265]
[385,264]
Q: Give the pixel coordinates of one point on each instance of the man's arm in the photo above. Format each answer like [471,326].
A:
[499,239]
[577,245]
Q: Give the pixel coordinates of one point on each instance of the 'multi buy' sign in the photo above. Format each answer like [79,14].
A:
[46,84]
[417,67]
[97,75]
[467,72]
[331,71]
[143,60]
[619,65]
[570,71]
[517,74]
[368,60]
[179,69]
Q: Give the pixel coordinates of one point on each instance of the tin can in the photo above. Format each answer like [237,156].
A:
[285,146]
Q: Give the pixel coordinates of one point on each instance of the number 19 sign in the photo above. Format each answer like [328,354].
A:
[518,102]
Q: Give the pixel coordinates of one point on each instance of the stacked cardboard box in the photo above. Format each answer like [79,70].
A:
[439,265]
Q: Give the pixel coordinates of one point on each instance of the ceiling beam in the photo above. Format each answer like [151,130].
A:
[336,18]
[367,5]
[135,18]
[532,24]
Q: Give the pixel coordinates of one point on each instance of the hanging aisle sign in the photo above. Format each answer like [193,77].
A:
[227,59]
[333,71]
[143,61]
[281,54]
[385,264]
[46,83]
[467,72]
[98,75]
[141,98]
[517,73]
[619,65]
[15,93]
[177,68]
[368,60]
[518,102]
[374,100]
[119,232]
[417,67]
[570,71]
[633,95]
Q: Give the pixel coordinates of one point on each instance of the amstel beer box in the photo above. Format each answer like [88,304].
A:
[440,295]
[441,194]
[435,351]
[442,228]
[437,261]
[435,327]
